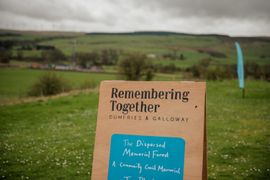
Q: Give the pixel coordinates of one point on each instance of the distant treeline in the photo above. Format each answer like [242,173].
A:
[251,39]
[4,34]
[205,70]
[28,44]
[23,45]
[155,33]
[167,33]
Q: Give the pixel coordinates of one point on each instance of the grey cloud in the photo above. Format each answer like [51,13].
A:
[50,10]
[196,16]
[238,9]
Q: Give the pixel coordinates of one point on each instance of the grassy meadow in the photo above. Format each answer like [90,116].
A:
[15,83]
[53,138]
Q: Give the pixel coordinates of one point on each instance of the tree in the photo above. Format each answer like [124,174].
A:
[53,56]
[109,57]
[5,56]
[48,84]
[182,57]
[199,70]
[86,60]
[20,55]
[136,67]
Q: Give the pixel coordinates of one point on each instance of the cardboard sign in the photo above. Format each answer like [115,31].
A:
[150,131]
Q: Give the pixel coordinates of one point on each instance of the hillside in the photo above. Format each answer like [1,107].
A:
[159,44]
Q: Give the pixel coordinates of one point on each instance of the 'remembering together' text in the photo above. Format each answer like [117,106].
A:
[141,95]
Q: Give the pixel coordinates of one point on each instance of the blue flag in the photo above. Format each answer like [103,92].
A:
[240,65]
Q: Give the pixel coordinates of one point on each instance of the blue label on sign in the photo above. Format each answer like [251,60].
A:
[135,157]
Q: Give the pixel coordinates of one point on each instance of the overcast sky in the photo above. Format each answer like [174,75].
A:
[231,17]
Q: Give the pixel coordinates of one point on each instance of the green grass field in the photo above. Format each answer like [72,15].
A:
[15,83]
[54,139]
[51,139]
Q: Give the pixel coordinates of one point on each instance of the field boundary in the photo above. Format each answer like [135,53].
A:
[45,98]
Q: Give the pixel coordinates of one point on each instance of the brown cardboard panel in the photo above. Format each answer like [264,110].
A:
[168,115]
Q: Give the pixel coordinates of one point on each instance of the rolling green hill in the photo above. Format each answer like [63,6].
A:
[192,47]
